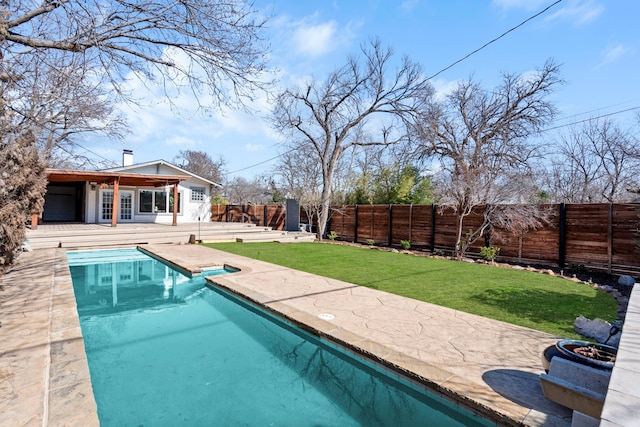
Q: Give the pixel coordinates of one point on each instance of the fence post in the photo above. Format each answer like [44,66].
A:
[487,236]
[390,228]
[227,209]
[265,213]
[410,220]
[562,246]
[610,239]
[433,227]
[355,224]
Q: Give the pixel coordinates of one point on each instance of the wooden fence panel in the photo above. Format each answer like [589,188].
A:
[380,224]
[218,213]
[342,221]
[445,230]
[588,235]
[626,238]
[235,213]
[402,226]
[421,223]
[276,216]
[254,214]
[365,223]
[541,246]
[598,236]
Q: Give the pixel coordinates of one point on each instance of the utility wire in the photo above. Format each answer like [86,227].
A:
[96,154]
[262,162]
[436,74]
[592,118]
[495,39]
[542,131]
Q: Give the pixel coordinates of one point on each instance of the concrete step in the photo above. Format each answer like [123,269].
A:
[84,235]
[283,237]
[307,237]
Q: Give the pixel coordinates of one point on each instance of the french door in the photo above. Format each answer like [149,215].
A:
[125,206]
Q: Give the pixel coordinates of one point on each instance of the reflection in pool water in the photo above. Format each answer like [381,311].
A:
[164,349]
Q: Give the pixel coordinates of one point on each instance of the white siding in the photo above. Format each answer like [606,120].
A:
[190,210]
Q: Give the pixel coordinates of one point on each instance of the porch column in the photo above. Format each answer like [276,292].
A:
[34,221]
[175,204]
[116,198]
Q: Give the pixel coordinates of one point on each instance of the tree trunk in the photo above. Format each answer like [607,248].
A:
[458,249]
[325,205]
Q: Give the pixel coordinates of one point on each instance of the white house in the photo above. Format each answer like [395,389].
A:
[143,193]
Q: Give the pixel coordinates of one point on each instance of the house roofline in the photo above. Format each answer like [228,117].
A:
[162,162]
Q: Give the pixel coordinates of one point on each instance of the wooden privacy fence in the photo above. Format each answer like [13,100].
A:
[596,236]
[266,215]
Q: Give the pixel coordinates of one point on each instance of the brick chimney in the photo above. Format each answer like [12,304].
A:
[127,157]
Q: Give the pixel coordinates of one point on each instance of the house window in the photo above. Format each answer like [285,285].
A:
[171,202]
[145,201]
[197,194]
[158,201]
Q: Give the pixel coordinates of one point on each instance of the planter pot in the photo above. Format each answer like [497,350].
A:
[584,352]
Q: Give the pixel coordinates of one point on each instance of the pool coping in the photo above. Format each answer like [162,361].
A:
[442,382]
[62,395]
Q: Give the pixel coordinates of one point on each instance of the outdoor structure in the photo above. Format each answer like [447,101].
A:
[151,192]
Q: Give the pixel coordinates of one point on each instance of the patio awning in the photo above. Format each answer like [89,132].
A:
[117,179]
[55,176]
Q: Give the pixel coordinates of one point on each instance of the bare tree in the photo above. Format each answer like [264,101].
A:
[596,162]
[201,164]
[209,47]
[482,141]
[335,114]
[242,191]
[63,63]
[57,99]
[299,176]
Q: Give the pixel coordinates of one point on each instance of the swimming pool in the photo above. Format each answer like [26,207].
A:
[163,349]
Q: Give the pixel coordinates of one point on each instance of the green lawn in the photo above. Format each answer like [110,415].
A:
[524,298]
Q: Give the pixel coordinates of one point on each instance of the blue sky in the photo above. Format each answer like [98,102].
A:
[597,43]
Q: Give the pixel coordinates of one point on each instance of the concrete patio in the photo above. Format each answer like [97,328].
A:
[489,366]
[76,235]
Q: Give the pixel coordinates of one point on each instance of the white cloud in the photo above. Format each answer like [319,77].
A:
[579,12]
[519,4]
[315,40]
[614,53]
[253,147]
[409,5]
[443,88]
[181,141]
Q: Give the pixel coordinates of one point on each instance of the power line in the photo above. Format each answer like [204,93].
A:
[592,118]
[559,119]
[262,162]
[96,154]
[495,39]
[436,74]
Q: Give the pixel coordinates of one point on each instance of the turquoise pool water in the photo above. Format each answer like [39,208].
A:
[165,350]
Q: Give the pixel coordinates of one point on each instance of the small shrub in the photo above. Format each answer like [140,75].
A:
[371,242]
[406,244]
[332,235]
[577,268]
[489,252]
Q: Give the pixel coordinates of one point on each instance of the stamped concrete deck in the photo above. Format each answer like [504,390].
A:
[490,366]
